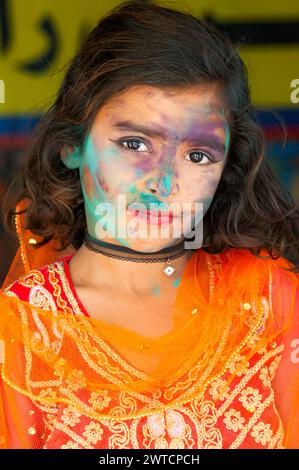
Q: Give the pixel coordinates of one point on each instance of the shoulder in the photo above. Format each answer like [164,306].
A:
[241,270]
[262,263]
[280,287]
[37,283]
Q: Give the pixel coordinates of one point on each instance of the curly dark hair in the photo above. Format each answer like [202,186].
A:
[142,43]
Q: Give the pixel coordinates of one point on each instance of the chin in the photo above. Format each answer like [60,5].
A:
[151,245]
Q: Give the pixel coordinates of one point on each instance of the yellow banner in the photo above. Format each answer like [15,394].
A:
[39,37]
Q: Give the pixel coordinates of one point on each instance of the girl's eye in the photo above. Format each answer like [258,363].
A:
[197,157]
[133,144]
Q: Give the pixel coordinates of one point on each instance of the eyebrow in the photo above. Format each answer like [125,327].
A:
[202,139]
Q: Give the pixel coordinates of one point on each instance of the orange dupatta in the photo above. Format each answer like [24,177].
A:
[52,358]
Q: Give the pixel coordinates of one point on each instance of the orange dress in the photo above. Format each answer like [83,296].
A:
[70,387]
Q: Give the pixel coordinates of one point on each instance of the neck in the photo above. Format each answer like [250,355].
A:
[95,270]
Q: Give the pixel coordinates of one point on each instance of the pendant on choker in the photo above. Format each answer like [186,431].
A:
[168,269]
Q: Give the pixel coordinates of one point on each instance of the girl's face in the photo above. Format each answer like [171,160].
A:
[149,145]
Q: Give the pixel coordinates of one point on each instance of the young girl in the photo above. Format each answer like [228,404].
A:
[117,331]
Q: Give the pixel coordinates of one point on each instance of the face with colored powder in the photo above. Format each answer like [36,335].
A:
[152,148]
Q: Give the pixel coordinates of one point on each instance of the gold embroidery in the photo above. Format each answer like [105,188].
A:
[171,424]
[70,445]
[262,432]
[251,372]
[47,392]
[238,365]
[196,375]
[219,389]
[119,435]
[209,435]
[211,273]
[40,297]
[66,287]
[274,366]
[93,432]
[32,279]
[233,420]
[78,439]
[267,374]
[264,376]
[75,380]
[70,416]
[99,400]
[9,292]
[252,316]
[57,292]
[21,239]
[250,399]
[258,412]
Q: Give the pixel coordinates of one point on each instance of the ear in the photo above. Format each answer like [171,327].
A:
[71,156]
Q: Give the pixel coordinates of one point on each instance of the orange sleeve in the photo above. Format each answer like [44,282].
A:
[3,427]
[21,422]
[286,382]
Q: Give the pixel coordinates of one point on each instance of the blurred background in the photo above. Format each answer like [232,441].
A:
[39,37]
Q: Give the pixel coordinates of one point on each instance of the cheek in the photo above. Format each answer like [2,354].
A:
[109,170]
[115,175]
[209,184]
[88,182]
[93,182]
[101,180]
[208,188]
[143,165]
[201,184]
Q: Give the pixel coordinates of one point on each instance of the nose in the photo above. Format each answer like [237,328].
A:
[165,185]
[165,181]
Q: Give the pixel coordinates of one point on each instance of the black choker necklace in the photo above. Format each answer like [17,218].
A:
[112,250]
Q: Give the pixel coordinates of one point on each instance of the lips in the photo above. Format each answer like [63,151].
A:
[155,217]
[159,214]
[156,213]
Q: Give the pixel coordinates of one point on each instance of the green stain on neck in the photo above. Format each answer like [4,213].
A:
[156,290]
[177,281]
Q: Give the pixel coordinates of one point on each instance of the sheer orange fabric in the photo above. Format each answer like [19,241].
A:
[231,370]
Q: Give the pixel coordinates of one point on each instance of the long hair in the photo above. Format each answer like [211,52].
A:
[142,43]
